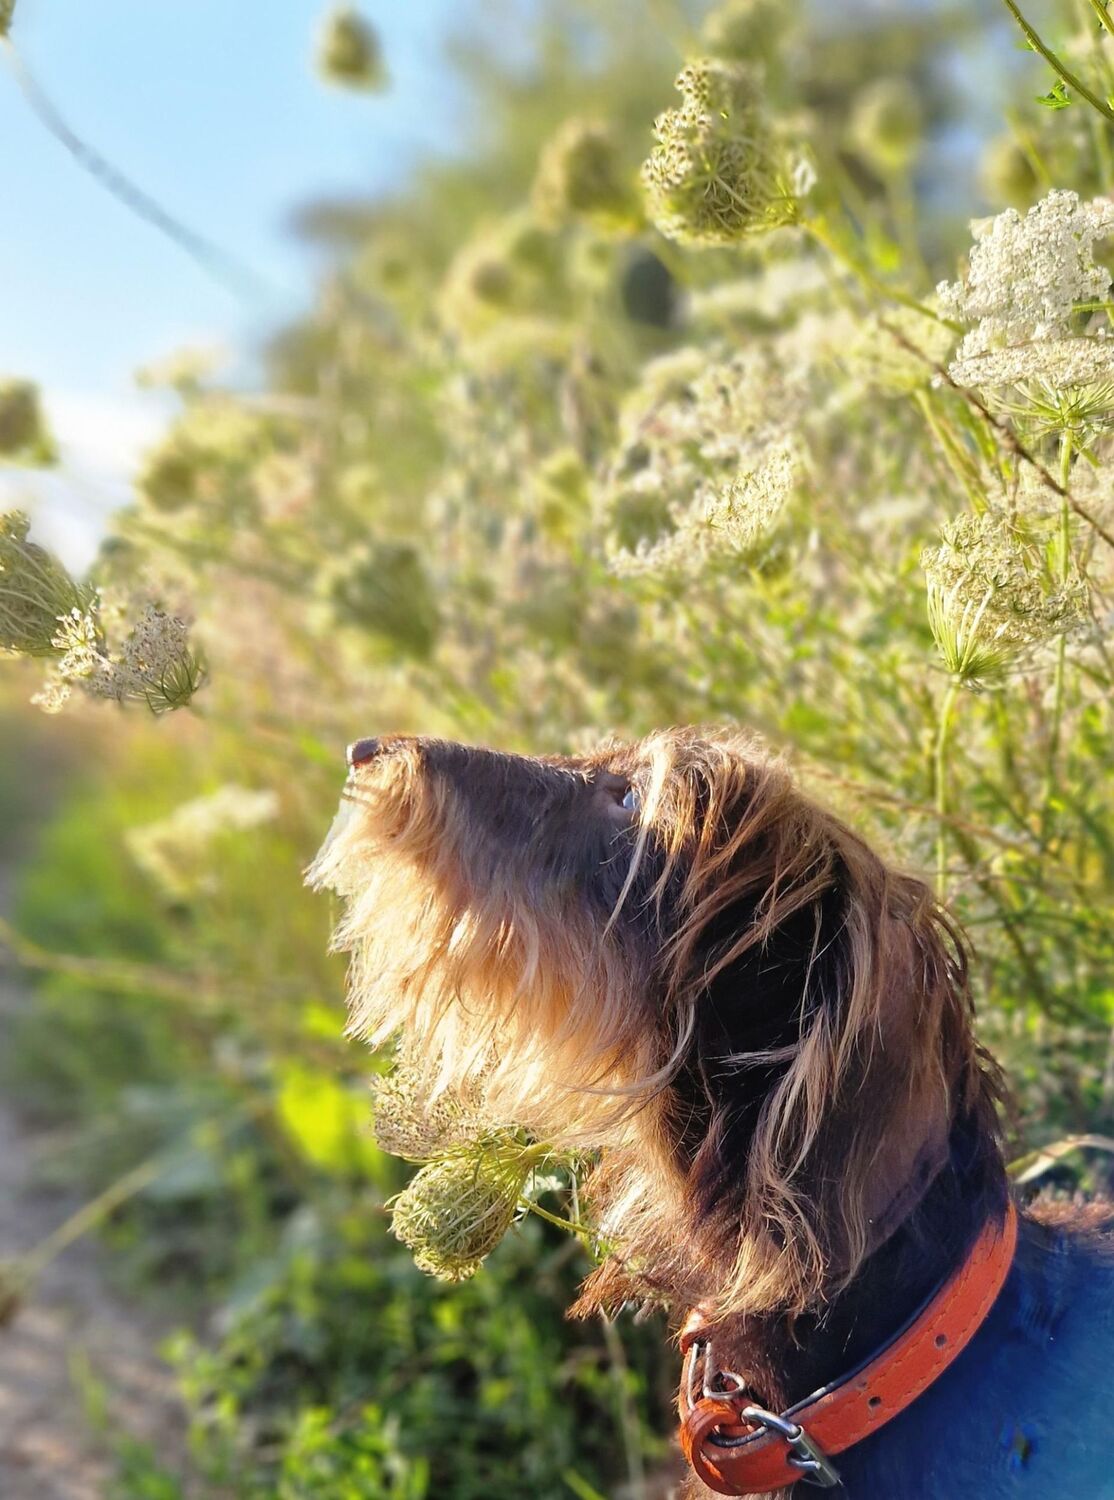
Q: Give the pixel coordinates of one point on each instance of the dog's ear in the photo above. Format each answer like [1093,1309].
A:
[833,1048]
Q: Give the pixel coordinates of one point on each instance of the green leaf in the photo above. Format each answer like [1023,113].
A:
[1057,96]
[580,1486]
[327,1122]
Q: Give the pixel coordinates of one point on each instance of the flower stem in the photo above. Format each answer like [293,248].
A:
[567,1224]
[628,1416]
[940,763]
[1100,10]
[824,238]
[1064,561]
[211,258]
[1059,67]
[93,1213]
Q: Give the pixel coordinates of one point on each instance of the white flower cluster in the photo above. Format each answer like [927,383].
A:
[987,606]
[1026,275]
[770,296]
[1062,363]
[733,517]
[177,851]
[154,663]
[703,463]
[897,352]
[1030,285]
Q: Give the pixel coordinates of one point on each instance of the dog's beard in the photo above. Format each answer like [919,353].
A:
[481,895]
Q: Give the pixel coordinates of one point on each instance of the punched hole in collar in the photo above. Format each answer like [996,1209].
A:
[874,1403]
[941,1340]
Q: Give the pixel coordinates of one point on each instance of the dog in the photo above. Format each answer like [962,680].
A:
[664,953]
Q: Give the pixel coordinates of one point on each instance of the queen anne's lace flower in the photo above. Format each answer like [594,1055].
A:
[24,435]
[349,52]
[580,176]
[987,608]
[898,351]
[411,1124]
[1031,295]
[154,663]
[455,1211]
[733,517]
[743,29]
[1060,362]
[887,124]
[742,512]
[1006,171]
[1027,275]
[515,268]
[702,462]
[717,173]
[35,591]
[177,851]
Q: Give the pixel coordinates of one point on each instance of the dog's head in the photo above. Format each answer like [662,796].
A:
[665,951]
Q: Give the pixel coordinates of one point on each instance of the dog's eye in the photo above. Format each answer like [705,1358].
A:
[631,801]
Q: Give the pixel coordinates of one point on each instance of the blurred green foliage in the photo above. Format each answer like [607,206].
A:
[418,524]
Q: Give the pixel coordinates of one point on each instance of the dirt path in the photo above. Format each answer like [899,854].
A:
[47,1449]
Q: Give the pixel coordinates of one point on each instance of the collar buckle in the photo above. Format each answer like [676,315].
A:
[805,1453]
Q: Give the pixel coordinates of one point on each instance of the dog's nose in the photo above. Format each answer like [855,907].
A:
[360,751]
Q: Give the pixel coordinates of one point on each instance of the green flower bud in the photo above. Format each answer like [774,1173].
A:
[515,266]
[348,51]
[580,177]
[24,436]
[1007,174]
[168,481]
[208,459]
[455,1211]
[36,592]
[745,29]
[986,608]
[887,125]
[383,588]
[717,173]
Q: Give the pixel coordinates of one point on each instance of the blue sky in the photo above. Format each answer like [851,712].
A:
[212,106]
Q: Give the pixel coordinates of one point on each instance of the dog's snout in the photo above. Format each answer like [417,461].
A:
[360,751]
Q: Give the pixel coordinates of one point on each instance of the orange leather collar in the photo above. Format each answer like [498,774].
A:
[736,1448]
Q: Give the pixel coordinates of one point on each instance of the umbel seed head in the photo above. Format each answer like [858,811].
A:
[717,172]
[744,29]
[455,1211]
[580,176]
[409,1123]
[349,53]
[887,124]
[24,436]
[987,609]
[36,592]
